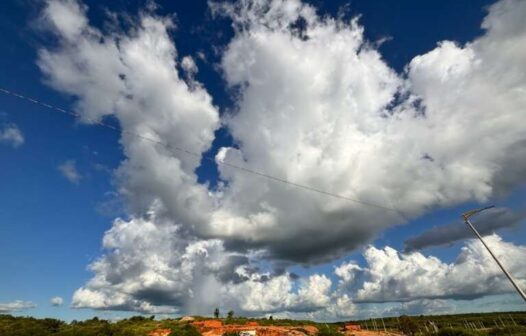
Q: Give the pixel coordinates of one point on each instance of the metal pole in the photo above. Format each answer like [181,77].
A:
[501,321]
[508,275]
[512,320]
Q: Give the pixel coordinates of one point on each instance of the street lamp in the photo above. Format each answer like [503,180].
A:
[466,217]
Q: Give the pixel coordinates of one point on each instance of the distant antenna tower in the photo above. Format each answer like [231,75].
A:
[466,217]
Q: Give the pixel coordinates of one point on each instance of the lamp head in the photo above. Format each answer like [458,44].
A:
[468,214]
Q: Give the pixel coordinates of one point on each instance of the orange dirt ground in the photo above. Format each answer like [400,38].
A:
[216,328]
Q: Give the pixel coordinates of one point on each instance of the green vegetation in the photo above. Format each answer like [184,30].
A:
[490,324]
[457,332]
[407,325]
[236,320]
[328,330]
[134,326]
[231,333]
[507,323]
[517,330]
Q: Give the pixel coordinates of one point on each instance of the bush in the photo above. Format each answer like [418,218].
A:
[456,332]
[235,320]
[326,330]
[184,330]
[231,333]
[408,325]
[509,330]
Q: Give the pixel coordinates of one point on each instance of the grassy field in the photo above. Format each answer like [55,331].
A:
[469,321]
[505,323]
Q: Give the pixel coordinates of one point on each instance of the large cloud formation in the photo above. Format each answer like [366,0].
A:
[316,105]
[391,276]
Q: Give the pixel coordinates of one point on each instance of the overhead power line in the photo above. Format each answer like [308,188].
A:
[172,149]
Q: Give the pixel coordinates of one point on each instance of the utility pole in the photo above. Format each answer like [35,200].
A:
[466,217]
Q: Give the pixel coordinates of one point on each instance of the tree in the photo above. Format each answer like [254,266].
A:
[407,325]
[230,314]
[184,330]
[325,330]
[270,317]
[216,313]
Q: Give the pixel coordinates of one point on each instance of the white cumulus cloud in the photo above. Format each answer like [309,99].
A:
[393,276]
[317,106]
[322,112]
[57,301]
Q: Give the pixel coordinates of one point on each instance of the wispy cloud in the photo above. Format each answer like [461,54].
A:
[487,223]
[11,134]
[15,306]
[69,170]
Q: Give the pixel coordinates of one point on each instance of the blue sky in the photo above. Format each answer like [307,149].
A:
[52,226]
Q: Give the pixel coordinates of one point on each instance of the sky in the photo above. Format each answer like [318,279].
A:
[302,159]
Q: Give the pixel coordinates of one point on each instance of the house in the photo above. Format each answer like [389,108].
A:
[247,333]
